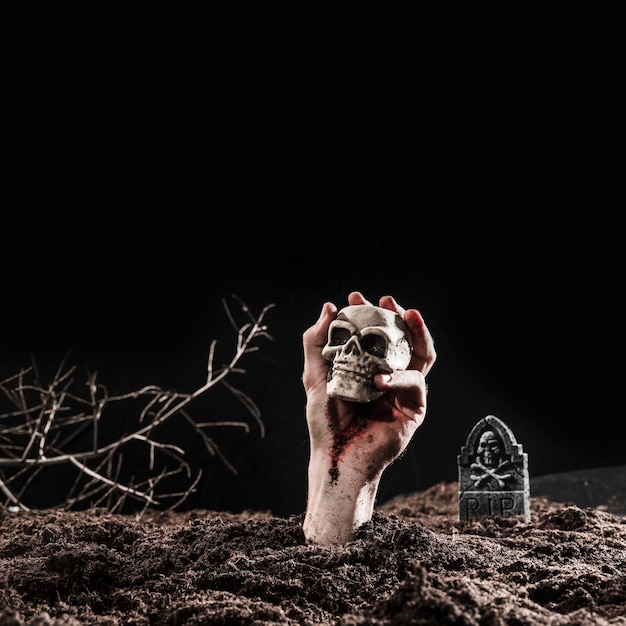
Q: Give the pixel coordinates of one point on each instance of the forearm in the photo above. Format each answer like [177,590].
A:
[337,504]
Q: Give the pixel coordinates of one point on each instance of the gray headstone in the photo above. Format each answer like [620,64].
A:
[493,472]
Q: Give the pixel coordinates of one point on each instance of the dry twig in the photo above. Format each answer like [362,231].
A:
[52,426]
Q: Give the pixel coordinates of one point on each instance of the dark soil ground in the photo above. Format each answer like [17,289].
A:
[415,563]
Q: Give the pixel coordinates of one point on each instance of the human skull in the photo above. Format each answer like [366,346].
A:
[364,340]
[489,448]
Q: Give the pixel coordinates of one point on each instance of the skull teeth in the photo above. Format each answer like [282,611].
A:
[343,370]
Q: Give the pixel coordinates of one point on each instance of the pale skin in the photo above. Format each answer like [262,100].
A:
[353,443]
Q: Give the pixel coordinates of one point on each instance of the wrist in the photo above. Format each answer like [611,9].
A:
[339,500]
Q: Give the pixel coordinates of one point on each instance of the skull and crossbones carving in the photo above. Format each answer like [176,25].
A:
[364,340]
[488,466]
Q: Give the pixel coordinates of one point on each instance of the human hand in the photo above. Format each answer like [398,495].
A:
[352,443]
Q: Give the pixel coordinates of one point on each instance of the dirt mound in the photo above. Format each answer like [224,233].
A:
[414,563]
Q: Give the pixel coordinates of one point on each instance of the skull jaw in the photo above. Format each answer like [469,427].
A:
[351,387]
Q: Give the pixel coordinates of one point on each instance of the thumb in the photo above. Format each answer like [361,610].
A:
[313,340]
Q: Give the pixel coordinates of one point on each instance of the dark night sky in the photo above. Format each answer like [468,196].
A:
[524,330]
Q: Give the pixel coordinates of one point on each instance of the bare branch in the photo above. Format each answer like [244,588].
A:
[60,426]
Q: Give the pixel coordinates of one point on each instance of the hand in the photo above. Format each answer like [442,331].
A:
[352,443]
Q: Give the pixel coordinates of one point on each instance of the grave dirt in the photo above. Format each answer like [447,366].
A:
[415,563]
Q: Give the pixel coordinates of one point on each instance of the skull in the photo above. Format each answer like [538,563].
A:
[364,340]
[489,449]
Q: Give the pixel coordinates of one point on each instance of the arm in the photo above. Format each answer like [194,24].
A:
[352,443]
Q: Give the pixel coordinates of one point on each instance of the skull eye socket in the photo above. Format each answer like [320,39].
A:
[374,344]
[339,336]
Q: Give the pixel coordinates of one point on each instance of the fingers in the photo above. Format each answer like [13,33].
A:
[424,354]
[410,380]
[408,390]
[313,340]
[388,302]
[356,297]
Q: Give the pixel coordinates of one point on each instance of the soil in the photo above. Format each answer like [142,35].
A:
[414,563]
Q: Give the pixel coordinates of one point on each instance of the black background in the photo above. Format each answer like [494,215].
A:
[524,329]
[142,188]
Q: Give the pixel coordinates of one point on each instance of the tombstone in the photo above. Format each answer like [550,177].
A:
[493,472]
